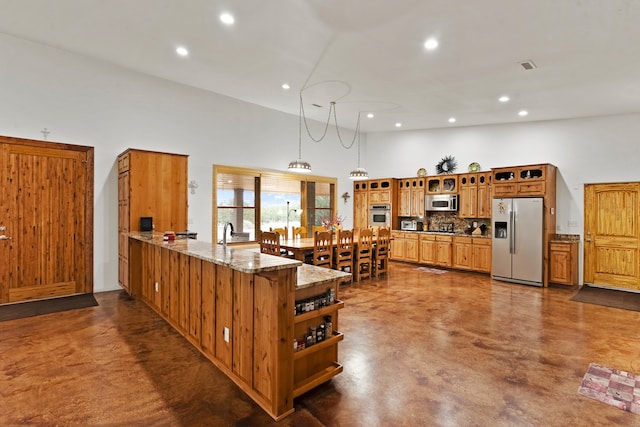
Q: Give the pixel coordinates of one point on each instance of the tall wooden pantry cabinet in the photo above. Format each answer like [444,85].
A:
[150,184]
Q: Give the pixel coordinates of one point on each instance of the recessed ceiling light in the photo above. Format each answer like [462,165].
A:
[503,98]
[398,125]
[452,119]
[285,86]
[182,51]
[370,115]
[227,18]
[431,44]
[523,113]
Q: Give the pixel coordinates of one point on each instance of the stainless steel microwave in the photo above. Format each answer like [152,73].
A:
[441,202]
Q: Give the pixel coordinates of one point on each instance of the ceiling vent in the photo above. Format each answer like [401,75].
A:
[528,65]
[317,105]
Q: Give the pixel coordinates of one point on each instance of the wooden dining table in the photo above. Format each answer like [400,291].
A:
[300,246]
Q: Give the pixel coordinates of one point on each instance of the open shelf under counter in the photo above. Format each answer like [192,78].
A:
[315,380]
[320,312]
[337,337]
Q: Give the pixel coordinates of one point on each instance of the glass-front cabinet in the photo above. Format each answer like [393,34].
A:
[442,184]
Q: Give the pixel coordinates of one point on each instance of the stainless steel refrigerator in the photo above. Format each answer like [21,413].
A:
[517,229]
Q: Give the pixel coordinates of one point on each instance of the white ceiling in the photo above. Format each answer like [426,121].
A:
[367,55]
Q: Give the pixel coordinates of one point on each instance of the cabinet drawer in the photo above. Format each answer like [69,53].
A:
[560,247]
[500,190]
[527,188]
[483,241]
[431,237]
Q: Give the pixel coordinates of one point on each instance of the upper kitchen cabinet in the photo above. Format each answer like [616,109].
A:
[150,185]
[524,181]
[475,195]
[380,190]
[360,204]
[468,195]
[411,197]
[485,194]
[447,184]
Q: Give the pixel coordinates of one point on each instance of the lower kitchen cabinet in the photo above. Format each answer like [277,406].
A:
[462,253]
[404,246]
[481,257]
[459,252]
[435,249]
[563,260]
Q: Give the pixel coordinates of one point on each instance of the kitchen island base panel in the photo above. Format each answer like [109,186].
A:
[240,317]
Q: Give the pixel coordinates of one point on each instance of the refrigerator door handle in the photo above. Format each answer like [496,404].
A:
[512,237]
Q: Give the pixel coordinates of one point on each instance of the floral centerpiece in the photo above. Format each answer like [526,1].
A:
[330,223]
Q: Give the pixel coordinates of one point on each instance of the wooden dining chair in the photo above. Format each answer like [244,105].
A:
[344,250]
[323,249]
[381,254]
[300,231]
[282,231]
[270,243]
[364,254]
[317,228]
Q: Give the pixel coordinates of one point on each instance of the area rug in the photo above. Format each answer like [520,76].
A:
[608,297]
[431,270]
[613,387]
[54,305]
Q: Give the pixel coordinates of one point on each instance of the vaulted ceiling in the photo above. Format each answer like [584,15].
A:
[367,56]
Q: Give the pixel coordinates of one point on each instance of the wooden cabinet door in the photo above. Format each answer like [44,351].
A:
[612,237]
[444,253]
[411,248]
[468,202]
[484,195]
[361,209]
[468,195]
[405,202]
[47,218]
[428,251]
[417,202]
[560,262]
[462,253]
[482,255]
[397,246]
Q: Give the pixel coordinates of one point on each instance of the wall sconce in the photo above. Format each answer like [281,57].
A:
[345,197]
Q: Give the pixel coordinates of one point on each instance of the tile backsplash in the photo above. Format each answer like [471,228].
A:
[434,220]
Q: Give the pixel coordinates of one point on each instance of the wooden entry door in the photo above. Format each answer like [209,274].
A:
[46,218]
[612,235]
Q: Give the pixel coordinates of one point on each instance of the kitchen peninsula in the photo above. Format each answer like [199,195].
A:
[238,308]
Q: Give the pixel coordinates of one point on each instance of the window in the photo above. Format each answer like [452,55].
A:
[254,200]
[320,204]
[280,202]
[236,203]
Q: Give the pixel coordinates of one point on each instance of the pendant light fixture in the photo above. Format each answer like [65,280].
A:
[300,166]
[358,174]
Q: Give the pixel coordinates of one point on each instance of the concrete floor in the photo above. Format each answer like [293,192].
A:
[420,349]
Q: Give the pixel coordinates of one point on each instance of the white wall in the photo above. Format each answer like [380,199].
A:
[87,102]
[590,150]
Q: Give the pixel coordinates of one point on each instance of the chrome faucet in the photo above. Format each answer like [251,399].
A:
[224,234]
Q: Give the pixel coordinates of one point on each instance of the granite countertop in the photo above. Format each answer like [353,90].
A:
[242,260]
[443,233]
[310,275]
